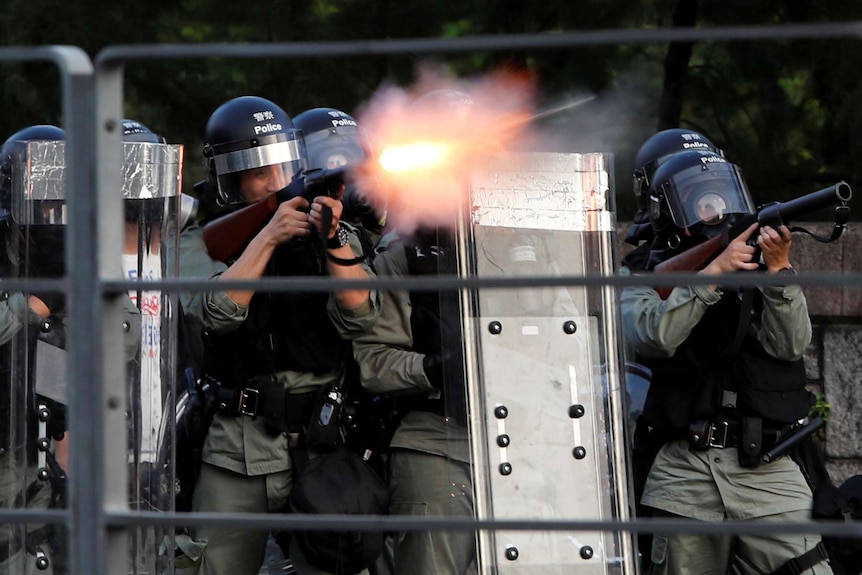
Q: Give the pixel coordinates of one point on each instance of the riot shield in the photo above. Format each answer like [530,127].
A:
[33,392]
[544,364]
[152,200]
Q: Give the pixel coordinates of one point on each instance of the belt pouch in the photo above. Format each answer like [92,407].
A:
[750,442]
[273,396]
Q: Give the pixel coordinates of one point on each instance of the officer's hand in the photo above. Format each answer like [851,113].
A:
[318,215]
[775,246]
[432,364]
[289,221]
[738,255]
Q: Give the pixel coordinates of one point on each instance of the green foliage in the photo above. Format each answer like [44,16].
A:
[786,111]
[821,407]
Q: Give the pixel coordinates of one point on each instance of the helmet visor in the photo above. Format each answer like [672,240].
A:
[281,148]
[333,148]
[707,194]
[271,162]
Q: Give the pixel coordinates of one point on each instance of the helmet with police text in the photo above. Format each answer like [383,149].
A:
[657,149]
[652,153]
[332,138]
[250,133]
[697,190]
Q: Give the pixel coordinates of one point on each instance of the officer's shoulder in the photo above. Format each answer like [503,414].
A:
[388,241]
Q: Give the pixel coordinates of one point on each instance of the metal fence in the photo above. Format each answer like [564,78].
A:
[97,515]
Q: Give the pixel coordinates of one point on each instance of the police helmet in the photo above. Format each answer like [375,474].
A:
[657,149]
[10,171]
[32,248]
[246,133]
[136,206]
[697,189]
[332,138]
[134,131]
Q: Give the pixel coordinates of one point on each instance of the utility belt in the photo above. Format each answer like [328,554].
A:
[748,435]
[282,411]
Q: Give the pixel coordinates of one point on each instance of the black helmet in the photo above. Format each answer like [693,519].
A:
[137,208]
[697,189]
[652,153]
[250,132]
[38,251]
[332,138]
[134,131]
[657,149]
[11,152]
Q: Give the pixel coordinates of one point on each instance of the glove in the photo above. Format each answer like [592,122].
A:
[432,364]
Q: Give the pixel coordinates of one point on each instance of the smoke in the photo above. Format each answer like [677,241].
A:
[425,140]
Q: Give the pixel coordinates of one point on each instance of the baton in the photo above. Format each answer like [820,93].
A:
[786,443]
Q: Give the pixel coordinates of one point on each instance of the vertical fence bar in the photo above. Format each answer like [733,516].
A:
[85,524]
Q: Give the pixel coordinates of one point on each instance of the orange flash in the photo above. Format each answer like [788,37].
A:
[426,140]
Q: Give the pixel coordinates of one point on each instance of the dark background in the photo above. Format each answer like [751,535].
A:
[786,111]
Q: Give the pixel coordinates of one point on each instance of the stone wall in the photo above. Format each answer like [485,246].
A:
[833,362]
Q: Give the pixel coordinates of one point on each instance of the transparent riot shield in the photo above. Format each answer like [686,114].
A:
[544,364]
[152,204]
[33,455]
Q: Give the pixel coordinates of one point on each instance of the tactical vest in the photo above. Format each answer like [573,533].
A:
[283,331]
[720,371]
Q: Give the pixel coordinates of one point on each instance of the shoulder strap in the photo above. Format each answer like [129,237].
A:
[804,562]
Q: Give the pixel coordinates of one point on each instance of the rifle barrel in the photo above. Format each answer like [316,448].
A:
[779,213]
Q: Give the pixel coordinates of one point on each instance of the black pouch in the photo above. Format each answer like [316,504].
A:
[324,429]
[750,441]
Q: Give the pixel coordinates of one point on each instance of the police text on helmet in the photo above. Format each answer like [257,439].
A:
[268,127]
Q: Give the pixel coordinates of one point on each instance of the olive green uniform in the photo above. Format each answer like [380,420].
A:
[711,485]
[246,467]
[430,473]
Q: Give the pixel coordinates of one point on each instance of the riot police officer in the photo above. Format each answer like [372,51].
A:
[34,390]
[727,375]
[414,354]
[333,139]
[268,353]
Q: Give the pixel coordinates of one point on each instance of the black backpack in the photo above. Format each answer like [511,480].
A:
[339,483]
[836,503]
[843,553]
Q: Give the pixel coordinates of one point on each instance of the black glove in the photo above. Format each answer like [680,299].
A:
[433,365]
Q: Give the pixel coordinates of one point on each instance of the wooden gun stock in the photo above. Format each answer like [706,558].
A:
[226,237]
[692,260]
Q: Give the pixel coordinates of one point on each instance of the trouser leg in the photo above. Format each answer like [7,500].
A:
[432,486]
[230,550]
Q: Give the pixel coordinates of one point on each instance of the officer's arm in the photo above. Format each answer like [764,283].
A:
[214,310]
[15,312]
[386,362]
[353,321]
[785,329]
[657,327]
